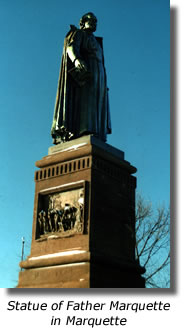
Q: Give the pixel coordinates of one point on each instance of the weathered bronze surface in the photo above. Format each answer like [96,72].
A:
[60,214]
[82,105]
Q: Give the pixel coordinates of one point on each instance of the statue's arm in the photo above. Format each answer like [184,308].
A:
[73,51]
[73,47]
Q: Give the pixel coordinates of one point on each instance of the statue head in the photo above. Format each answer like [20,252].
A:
[88,22]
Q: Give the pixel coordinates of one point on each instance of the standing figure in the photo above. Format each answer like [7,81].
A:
[82,105]
[81,206]
[49,221]
[44,223]
[41,223]
[56,217]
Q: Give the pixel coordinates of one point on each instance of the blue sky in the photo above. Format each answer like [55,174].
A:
[137,59]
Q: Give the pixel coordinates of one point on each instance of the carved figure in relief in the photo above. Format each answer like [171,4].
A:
[81,206]
[59,216]
[69,216]
[40,221]
[56,221]
[49,221]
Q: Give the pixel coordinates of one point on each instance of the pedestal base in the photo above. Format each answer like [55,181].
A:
[78,270]
[84,219]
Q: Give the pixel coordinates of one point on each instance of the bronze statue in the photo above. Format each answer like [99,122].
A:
[82,105]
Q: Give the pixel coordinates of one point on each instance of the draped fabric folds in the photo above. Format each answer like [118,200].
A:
[81,110]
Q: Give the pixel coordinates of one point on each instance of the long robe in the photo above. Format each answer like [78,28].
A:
[82,110]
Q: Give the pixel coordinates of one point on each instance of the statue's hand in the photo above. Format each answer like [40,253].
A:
[80,64]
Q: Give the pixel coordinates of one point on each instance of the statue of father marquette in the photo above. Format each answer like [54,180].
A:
[82,105]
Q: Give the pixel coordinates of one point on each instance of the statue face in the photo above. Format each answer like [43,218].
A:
[90,23]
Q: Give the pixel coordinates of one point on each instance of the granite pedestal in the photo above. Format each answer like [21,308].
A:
[84,219]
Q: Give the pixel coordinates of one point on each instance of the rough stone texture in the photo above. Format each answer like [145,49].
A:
[104,255]
[59,276]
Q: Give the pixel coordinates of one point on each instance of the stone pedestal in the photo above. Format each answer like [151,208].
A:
[84,219]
